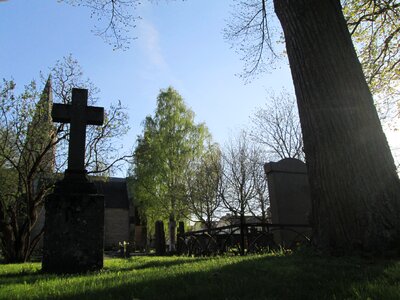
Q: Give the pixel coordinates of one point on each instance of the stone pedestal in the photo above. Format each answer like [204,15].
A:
[74,227]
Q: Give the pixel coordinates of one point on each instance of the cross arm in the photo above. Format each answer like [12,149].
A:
[94,115]
[61,113]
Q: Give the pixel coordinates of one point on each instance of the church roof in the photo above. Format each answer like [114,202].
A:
[115,192]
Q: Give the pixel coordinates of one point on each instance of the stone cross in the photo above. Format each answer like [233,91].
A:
[78,114]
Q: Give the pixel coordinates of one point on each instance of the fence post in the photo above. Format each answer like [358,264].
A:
[160,238]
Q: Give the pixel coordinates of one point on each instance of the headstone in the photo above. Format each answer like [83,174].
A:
[172,234]
[181,238]
[74,222]
[160,238]
[290,201]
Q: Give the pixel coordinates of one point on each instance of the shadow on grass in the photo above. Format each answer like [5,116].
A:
[166,264]
[258,277]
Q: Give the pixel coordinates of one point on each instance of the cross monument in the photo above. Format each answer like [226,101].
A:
[73,239]
[78,114]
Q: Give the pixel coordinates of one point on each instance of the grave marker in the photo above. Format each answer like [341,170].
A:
[290,200]
[159,238]
[74,222]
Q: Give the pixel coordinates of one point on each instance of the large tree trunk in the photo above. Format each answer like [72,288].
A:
[354,185]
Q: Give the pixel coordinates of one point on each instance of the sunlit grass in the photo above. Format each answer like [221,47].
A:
[274,276]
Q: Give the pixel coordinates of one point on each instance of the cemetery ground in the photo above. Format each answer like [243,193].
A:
[279,275]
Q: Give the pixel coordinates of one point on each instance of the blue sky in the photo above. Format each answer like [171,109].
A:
[179,43]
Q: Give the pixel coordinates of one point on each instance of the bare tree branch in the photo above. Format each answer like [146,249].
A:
[276,127]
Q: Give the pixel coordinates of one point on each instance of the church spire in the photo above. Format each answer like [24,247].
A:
[46,99]
[40,132]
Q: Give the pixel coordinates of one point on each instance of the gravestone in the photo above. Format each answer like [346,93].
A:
[159,238]
[180,238]
[290,201]
[74,222]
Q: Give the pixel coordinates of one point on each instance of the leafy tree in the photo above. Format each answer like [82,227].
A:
[276,127]
[375,30]
[27,139]
[32,152]
[170,141]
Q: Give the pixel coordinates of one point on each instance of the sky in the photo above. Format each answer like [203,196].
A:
[178,43]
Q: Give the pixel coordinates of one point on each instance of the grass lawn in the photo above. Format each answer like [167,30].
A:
[273,276]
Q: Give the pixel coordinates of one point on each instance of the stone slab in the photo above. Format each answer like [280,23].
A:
[290,200]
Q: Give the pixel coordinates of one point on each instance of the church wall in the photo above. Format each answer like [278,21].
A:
[116,221]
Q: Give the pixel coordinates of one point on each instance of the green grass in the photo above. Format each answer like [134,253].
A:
[273,276]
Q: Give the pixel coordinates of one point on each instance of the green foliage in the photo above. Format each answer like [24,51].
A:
[375,29]
[273,276]
[170,142]
[26,144]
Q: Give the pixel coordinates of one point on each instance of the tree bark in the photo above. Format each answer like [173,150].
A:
[354,185]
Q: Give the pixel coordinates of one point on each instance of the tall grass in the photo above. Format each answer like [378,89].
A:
[272,276]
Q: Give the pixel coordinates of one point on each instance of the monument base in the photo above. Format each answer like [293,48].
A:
[74,227]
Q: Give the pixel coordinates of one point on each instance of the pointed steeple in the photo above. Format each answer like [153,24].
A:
[46,99]
[40,132]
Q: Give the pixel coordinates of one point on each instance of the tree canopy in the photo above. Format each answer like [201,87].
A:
[375,30]
[170,142]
